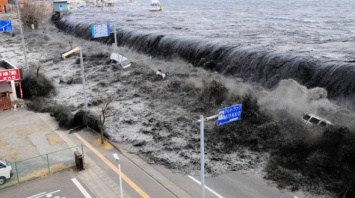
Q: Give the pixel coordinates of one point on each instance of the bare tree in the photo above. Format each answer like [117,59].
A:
[71,44]
[105,113]
[36,65]
[35,13]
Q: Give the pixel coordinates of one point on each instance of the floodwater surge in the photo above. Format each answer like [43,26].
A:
[264,67]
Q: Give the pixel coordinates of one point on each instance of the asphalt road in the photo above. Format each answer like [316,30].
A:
[63,185]
[139,178]
[231,185]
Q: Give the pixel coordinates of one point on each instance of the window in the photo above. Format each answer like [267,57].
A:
[306,117]
[323,124]
[314,120]
[2,165]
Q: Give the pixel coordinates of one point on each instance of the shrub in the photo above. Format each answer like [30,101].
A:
[37,104]
[62,115]
[78,118]
[36,86]
[88,119]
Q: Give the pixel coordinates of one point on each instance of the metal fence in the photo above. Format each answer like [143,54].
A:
[42,165]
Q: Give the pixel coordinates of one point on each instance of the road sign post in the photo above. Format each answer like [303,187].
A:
[225,116]
[202,151]
[5,26]
[101,30]
[229,114]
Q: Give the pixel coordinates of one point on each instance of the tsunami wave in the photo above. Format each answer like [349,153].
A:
[250,64]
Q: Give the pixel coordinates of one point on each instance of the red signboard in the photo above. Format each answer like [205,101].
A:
[10,74]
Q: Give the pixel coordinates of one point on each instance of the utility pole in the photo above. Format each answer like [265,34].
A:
[115,35]
[23,38]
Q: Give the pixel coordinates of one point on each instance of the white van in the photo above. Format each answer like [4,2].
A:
[5,171]
[313,120]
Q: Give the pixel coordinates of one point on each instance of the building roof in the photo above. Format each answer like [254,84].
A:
[5,64]
[5,87]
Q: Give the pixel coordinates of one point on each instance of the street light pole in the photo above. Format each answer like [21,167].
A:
[83,79]
[119,169]
[70,53]
[202,148]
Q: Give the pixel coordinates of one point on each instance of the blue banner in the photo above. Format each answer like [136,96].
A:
[5,26]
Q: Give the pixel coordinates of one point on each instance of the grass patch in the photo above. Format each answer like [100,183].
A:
[26,132]
[54,139]
[8,152]
[37,86]
[106,145]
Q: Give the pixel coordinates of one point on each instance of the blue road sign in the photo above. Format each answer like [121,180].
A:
[229,114]
[100,30]
[5,26]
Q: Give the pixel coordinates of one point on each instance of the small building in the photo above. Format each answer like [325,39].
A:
[76,4]
[3,6]
[5,91]
[61,7]
[9,74]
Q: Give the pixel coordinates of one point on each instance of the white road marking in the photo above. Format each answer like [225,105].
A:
[48,195]
[206,187]
[81,188]
[39,194]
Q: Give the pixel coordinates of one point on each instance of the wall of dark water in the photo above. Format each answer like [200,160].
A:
[265,68]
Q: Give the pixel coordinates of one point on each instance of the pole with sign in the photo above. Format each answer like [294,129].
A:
[5,26]
[101,30]
[225,115]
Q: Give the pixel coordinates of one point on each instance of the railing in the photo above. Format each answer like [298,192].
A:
[42,165]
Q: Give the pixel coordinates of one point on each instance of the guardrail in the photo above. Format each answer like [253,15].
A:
[42,165]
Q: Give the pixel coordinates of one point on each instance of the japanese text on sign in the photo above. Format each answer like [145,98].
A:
[10,74]
[229,114]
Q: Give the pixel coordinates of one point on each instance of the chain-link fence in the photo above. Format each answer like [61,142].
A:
[42,165]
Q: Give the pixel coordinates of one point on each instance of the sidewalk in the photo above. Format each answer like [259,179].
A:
[26,134]
[98,182]
[94,178]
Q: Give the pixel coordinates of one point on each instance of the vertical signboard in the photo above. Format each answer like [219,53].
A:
[101,30]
